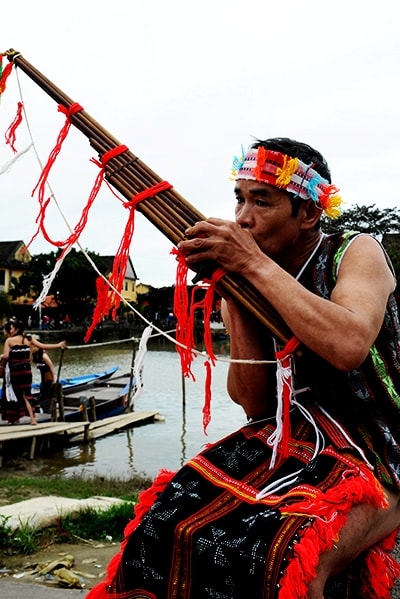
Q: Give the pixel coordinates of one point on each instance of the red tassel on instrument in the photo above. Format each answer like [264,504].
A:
[100,310]
[56,150]
[185,312]
[4,74]
[182,311]
[108,296]
[10,134]
[121,258]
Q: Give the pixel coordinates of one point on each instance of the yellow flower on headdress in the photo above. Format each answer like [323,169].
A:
[333,208]
[288,169]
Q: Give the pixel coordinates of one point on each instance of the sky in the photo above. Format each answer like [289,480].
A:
[184,85]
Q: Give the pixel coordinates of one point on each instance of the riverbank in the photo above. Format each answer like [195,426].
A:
[61,533]
[84,559]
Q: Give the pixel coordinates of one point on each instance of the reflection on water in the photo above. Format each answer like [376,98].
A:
[165,444]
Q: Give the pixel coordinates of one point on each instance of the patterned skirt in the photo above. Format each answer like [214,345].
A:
[207,532]
[13,404]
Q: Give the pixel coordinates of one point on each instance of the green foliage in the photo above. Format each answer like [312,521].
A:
[74,282]
[24,539]
[76,279]
[88,524]
[5,531]
[17,488]
[366,219]
[5,305]
[382,223]
[97,525]
[30,282]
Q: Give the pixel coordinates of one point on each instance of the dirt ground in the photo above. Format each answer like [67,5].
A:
[84,569]
[90,561]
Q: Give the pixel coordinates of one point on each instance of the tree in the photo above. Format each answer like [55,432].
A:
[30,283]
[366,219]
[5,305]
[74,282]
[382,223]
[76,279]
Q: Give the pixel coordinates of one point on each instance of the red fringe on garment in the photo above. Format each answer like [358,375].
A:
[380,570]
[146,500]
[329,512]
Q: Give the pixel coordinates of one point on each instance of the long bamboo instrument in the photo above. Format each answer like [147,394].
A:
[167,211]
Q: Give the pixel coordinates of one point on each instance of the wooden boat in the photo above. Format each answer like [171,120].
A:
[76,383]
[97,400]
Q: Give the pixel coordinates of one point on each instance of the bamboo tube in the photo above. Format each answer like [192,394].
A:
[168,211]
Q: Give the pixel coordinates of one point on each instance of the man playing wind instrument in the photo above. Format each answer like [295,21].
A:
[303,501]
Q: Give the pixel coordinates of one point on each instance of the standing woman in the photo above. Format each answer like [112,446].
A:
[18,372]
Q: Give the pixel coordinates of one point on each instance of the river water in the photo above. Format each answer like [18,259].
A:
[164,444]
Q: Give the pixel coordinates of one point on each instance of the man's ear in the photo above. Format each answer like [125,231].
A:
[310,214]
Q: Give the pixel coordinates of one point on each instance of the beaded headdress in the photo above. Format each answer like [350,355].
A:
[291,174]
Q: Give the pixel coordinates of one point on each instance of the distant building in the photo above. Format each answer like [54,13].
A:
[14,260]
[129,291]
[142,288]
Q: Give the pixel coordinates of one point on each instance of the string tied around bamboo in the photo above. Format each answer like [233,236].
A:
[279,439]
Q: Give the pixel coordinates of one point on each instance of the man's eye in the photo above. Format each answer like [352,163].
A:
[239,200]
[261,203]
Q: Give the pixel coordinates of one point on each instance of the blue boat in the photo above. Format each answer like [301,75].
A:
[75,383]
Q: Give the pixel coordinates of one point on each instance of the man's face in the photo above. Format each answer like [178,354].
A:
[266,212]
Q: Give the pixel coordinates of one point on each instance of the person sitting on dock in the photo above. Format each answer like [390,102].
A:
[17,389]
[303,502]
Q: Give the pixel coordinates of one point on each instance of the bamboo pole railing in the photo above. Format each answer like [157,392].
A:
[168,211]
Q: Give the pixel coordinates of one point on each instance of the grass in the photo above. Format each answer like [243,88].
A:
[87,525]
[19,488]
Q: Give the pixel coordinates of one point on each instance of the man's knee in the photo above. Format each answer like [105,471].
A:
[366,526]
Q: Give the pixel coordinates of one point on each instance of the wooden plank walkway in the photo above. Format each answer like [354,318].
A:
[107,426]
[75,432]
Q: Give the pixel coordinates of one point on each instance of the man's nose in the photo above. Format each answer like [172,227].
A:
[244,216]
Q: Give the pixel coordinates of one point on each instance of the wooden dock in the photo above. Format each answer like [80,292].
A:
[69,432]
